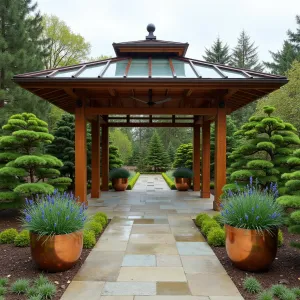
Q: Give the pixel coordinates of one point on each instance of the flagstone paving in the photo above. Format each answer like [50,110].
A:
[151,249]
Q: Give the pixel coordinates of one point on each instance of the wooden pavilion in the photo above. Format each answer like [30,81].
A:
[149,83]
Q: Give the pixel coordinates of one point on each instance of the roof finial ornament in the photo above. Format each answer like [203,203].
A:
[151,29]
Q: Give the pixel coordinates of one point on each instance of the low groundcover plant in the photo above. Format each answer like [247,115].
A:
[253,208]
[55,214]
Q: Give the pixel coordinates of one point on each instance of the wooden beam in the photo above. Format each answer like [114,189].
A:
[196,157]
[205,163]
[105,156]
[80,155]
[95,193]
[220,156]
[150,111]
[230,94]
[188,93]
[148,124]
[112,92]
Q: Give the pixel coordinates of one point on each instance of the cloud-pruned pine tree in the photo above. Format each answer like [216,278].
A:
[157,158]
[114,158]
[291,194]
[266,145]
[218,53]
[25,170]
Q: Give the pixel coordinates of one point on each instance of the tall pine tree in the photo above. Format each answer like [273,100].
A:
[245,55]
[218,53]
[283,59]
[157,157]
[21,50]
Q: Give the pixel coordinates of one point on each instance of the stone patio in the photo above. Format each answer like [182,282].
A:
[151,249]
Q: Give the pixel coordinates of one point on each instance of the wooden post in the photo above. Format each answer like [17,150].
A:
[220,155]
[196,157]
[105,157]
[80,154]
[205,178]
[95,193]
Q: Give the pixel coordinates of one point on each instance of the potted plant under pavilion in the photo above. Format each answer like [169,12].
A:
[252,218]
[183,178]
[119,178]
[55,223]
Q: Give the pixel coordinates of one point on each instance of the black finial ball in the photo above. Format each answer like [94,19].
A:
[151,27]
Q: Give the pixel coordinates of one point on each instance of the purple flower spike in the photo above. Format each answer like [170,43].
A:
[246,217]
[251,180]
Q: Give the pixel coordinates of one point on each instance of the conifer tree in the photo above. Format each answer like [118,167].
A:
[184,156]
[218,53]
[290,198]
[171,152]
[25,170]
[114,158]
[157,157]
[22,49]
[245,55]
[267,145]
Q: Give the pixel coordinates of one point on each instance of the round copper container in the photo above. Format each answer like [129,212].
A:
[250,250]
[120,184]
[56,253]
[182,184]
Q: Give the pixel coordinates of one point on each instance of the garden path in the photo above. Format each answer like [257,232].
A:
[150,183]
[151,250]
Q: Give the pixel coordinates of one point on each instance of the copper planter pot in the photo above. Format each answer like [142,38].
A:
[120,184]
[250,250]
[56,253]
[182,184]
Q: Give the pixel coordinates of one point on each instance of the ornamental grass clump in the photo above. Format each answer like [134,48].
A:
[265,295]
[253,208]
[252,285]
[20,286]
[55,214]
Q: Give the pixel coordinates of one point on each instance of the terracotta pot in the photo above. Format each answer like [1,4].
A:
[250,250]
[120,184]
[182,184]
[56,253]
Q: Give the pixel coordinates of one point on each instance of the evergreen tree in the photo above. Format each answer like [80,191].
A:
[218,53]
[21,50]
[184,156]
[157,157]
[24,166]
[171,152]
[245,55]
[114,158]
[266,145]
[291,194]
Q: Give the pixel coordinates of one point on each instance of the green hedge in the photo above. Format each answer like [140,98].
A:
[132,181]
[169,181]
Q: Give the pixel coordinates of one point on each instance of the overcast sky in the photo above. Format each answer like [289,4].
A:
[197,22]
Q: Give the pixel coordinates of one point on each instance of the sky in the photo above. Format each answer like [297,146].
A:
[197,22]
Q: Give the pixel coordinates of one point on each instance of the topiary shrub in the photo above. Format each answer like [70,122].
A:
[22,239]
[218,219]
[8,236]
[183,173]
[216,237]
[201,218]
[280,238]
[99,219]
[89,239]
[101,214]
[20,286]
[119,173]
[252,285]
[169,181]
[133,181]
[184,156]
[22,156]
[94,226]
[209,225]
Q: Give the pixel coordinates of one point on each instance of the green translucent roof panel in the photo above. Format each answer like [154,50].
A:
[183,69]
[139,68]
[116,69]
[161,68]
[92,71]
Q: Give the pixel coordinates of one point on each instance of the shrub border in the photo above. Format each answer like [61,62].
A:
[169,181]
[133,180]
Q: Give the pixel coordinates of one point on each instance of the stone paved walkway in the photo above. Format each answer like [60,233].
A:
[151,250]
[151,183]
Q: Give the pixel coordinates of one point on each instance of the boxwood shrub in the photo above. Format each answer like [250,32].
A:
[169,181]
[132,181]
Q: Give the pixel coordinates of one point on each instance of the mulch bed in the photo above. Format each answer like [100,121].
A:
[285,268]
[15,262]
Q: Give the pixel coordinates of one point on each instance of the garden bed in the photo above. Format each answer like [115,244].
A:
[285,269]
[16,262]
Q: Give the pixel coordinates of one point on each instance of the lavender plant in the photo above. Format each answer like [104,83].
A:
[55,214]
[253,208]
